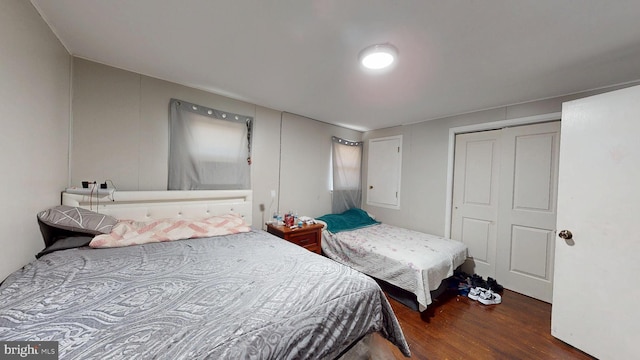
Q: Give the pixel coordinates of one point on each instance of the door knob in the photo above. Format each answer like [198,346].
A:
[370,187]
[565,234]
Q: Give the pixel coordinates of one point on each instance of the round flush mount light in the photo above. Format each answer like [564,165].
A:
[378,57]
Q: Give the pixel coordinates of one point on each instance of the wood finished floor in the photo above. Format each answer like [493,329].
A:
[456,327]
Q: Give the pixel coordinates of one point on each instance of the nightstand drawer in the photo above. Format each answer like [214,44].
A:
[304,239]
[313,248]
[308,236]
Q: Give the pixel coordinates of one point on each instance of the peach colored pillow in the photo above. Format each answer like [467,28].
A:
[129,232]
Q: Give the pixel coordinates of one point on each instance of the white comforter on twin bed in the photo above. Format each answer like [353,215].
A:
[414,261]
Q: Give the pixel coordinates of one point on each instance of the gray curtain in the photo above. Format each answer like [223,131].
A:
[208,149]
[346,157]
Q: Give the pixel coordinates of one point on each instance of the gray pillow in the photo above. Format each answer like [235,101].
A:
[77,219]
[66,243]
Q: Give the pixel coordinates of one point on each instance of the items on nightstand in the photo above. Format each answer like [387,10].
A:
[307,220]
[289,219]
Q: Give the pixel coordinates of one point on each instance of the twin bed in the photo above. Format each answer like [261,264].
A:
[415,262]
[238,295]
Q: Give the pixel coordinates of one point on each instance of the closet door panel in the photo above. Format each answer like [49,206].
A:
[475,198]
[527,216]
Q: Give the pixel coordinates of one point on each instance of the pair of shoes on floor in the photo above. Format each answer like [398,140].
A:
[488,297]
[475,293]
[494,286]
[478,281]
[484,296]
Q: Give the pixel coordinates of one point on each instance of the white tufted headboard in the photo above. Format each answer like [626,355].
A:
[149,205]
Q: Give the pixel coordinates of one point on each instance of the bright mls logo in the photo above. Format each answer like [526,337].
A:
[41,350]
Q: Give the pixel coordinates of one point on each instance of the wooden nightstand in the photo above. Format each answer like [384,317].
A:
[308,236]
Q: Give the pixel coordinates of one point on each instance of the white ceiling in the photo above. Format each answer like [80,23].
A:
[298,56]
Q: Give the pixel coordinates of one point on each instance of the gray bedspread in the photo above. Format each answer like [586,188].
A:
[244,296]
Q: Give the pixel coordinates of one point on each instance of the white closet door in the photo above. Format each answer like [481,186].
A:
[596,292]
[504,205]
[475,198]
[527,215]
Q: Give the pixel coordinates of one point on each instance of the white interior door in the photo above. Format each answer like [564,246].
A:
[384,169]
[527,215]
[475,198]
[596,292]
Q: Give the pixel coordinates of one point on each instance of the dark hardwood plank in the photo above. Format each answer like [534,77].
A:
[456,327]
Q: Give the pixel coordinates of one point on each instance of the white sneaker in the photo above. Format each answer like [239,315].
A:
[490,298]
[474,294]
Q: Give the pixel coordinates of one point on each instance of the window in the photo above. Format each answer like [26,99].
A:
[208,149]
[346,157]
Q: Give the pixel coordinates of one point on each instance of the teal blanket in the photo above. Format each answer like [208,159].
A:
[349,220]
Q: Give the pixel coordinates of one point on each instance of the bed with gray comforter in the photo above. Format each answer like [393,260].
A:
[242,296]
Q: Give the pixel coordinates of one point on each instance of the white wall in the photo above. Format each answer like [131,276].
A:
[121,133]
[425,157]
[121,125]
[306,160]
[34,117]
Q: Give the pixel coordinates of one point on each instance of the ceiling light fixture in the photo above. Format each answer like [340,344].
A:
[378,57]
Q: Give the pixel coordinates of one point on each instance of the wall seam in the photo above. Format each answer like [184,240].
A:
[70,130]
[139,125]
[279,165]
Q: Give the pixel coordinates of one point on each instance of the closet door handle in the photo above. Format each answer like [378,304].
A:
[370,187]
